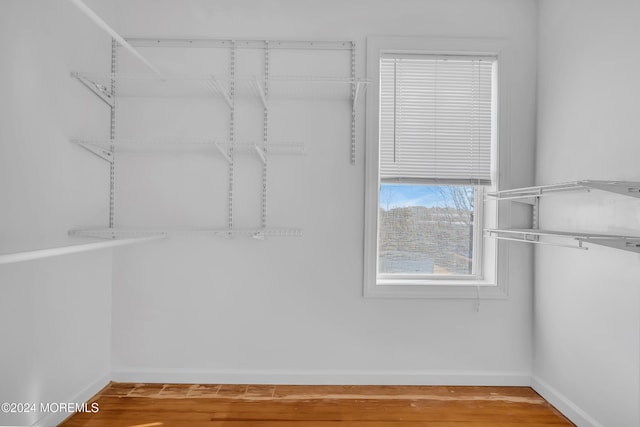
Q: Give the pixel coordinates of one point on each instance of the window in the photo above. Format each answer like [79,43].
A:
[436,115]
[429,231]
[430,158]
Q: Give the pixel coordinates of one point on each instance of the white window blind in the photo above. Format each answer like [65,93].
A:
[436,119]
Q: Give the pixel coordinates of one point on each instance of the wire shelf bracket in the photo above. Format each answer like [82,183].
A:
[224,152]
[259,89]
[360,85]
[261,154]
[103,153]
[219,89]
[98,89]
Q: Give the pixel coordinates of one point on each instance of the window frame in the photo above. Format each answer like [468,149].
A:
[494,255]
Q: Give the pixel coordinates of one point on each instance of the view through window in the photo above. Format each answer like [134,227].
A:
[426,229]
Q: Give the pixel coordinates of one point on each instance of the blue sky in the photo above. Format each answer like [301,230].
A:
[402,195]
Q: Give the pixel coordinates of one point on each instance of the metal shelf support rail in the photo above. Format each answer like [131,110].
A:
[354,95]
[232,128]
[262,151]
[112,136]
[240,44]
[259,234]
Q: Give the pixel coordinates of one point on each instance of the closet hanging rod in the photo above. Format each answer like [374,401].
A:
[538,242]
[72,248]
[104,26]
[627,243]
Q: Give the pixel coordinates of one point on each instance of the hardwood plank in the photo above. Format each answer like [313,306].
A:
[233,405]
[234,423]
[97,423]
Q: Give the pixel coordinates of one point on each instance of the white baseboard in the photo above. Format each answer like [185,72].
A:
[569,409]
[55,418]
[468,378]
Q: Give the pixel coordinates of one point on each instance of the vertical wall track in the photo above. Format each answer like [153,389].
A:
[112,135]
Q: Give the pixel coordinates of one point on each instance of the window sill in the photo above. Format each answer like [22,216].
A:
[435,289]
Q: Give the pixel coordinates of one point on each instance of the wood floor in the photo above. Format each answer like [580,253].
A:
[179,405]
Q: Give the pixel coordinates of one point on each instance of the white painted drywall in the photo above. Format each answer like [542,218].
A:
[291,309]
[587,303]
[55,312]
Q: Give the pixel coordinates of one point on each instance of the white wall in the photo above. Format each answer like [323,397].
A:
[291,309]
[587,311]
[55,312]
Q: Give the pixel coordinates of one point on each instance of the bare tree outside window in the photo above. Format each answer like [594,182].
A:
[426,229]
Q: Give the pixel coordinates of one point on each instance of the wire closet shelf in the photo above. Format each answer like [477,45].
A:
[532,195]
